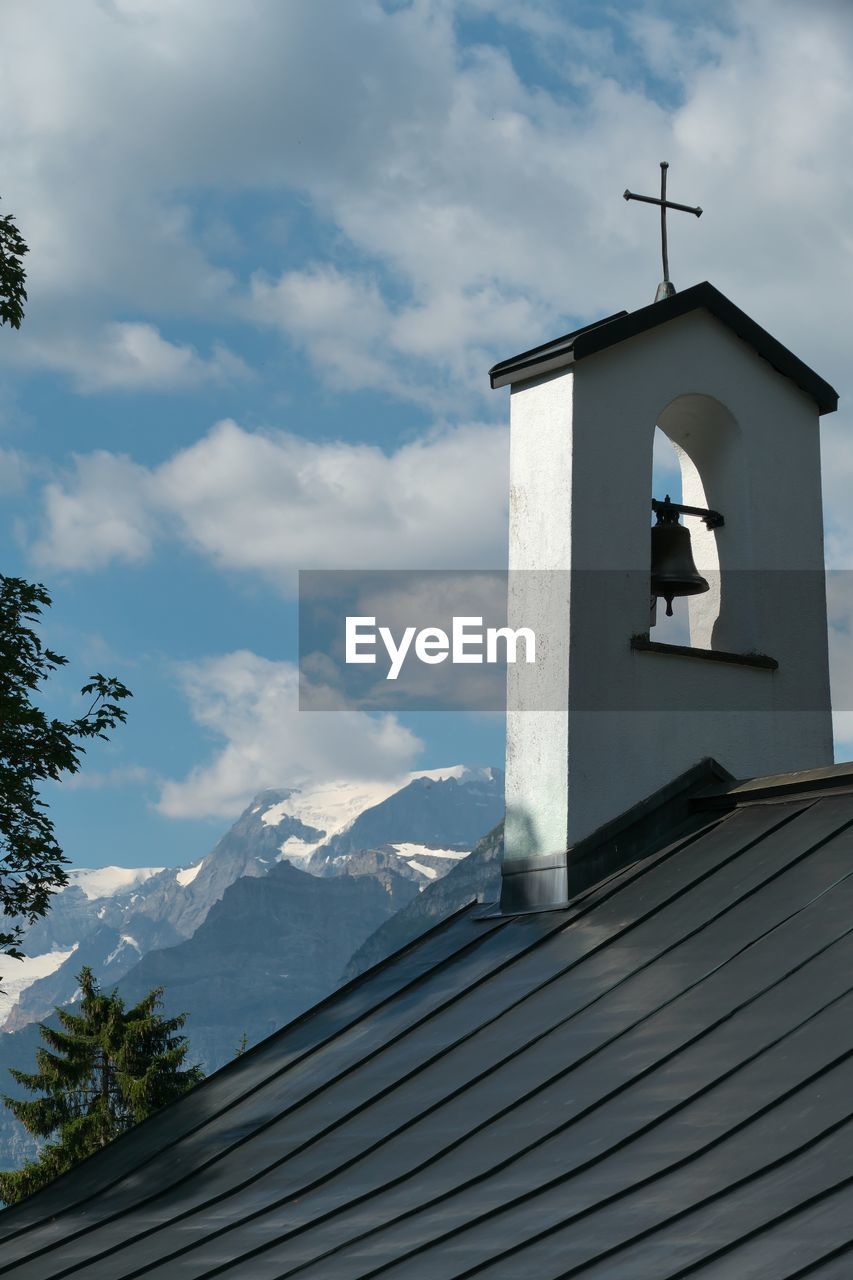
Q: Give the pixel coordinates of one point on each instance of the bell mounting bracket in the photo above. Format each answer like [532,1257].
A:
[668,512]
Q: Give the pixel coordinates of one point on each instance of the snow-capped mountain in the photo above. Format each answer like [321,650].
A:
[416,827]
[84,925]
[107,882]
[351,817]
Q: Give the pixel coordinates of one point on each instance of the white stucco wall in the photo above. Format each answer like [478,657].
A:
[581,475]
[540,539]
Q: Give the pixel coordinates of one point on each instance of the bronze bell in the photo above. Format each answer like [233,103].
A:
[673,570]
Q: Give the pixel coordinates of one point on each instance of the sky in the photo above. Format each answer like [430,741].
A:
[274,250]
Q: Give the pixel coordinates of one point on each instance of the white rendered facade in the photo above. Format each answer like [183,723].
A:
[600,725]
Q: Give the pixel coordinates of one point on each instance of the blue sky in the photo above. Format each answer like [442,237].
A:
[275,249]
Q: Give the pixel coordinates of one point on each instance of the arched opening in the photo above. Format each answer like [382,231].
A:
[706,441]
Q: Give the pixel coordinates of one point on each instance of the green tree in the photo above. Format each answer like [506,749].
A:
[13,295]
[34,748]
[103,1070]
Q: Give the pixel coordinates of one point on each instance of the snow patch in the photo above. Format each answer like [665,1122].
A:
[295,850]
[20,974]
[460,772]
[107,882]
[429,872]
[424,851]
[124,942]
[330,806]
[189,874]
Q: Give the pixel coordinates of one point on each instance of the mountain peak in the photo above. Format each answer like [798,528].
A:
[268,797]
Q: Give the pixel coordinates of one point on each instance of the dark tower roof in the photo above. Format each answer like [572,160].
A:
[655,1080]
[605,333]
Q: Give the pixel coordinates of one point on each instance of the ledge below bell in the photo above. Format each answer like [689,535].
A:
[761,660]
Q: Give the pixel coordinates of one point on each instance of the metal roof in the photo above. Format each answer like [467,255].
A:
[653,1082]
[605,333]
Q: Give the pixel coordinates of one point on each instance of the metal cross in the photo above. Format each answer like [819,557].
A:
[666,288]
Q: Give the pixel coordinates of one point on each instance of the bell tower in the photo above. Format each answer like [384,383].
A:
[609,714]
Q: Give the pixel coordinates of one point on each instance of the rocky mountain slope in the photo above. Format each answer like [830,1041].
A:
[477,877]
[268,950]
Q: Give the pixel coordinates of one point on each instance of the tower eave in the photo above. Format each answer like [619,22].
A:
[621,326]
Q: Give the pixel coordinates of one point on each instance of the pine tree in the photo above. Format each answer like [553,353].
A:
[104,1070]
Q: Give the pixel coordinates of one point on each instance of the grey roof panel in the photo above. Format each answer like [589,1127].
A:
[653,1080]
[235,1083]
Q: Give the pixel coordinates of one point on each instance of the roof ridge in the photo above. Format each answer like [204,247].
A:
[623,325]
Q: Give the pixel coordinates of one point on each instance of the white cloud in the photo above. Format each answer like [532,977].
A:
[15,469]
[251,704]
[274,503]
[423,350]
[492,210]
[130,356]
[483,212]
[106,513]
[469,212]
[130,775]
[114,113]
[341,321]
